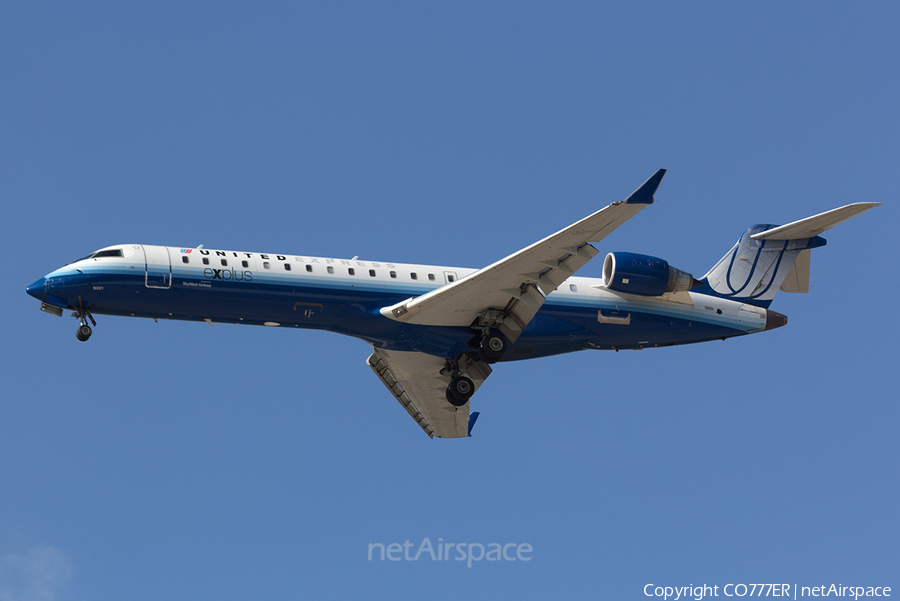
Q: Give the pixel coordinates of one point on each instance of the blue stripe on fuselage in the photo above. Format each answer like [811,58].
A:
[350,305]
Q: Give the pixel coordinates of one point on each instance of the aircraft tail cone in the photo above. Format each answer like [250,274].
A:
[775,319]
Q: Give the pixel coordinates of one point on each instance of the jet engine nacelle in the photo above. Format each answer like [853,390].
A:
[643,275]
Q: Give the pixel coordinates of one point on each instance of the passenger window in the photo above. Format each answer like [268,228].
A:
[330,269]
[413,276]
[206,260]
[431,276]
[309,268]
[573,287]
[265,264]
[394,274]
[224,263]
[372,272]
[244,264]
[351,271]
[451,278]
[287,266]
[184,258]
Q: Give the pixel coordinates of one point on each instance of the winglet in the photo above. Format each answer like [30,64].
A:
[644,194]
[473,417]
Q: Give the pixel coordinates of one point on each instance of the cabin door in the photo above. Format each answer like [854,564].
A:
[158,272]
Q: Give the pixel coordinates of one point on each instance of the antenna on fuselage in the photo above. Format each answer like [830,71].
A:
[355,258]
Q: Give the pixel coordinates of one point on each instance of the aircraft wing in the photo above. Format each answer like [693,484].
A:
[415,379]
[518,285]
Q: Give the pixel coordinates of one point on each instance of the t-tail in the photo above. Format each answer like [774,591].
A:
[770,258]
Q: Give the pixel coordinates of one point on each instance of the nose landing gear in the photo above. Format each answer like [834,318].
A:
[84,330]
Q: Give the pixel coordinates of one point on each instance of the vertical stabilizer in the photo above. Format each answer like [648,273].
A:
[768,258]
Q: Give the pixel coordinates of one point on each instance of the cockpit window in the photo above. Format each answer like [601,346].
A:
[115,252]
[84,258]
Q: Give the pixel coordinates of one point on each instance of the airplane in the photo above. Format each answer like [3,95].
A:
[435,331]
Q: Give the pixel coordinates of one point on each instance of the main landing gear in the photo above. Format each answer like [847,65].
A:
[493,347]
[84,330]
[460,391]
[461,386]
[490,344]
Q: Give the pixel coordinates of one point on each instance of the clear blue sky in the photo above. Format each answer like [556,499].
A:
[179,461]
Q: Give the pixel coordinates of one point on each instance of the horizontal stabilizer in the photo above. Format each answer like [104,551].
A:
[815,225]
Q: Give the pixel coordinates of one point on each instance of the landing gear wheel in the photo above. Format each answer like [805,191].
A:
[83,315]
[493,347]
[460,390]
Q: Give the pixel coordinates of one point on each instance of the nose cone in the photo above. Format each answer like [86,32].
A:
[38,290]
